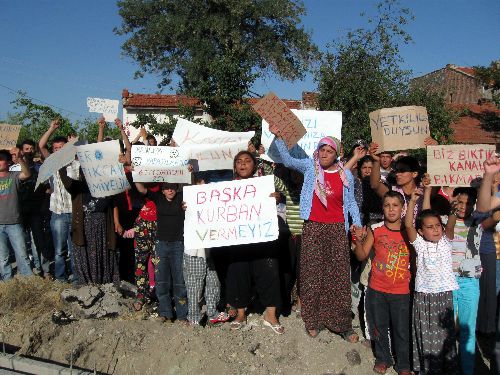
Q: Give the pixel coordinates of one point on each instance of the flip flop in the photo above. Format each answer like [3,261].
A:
[235,325]
[277,328]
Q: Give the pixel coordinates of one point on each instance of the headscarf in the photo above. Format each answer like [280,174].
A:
[148,211]
[319,186]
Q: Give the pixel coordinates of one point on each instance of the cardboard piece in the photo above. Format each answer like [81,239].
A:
[56,161]
[105,176]
[160,164]
[276,112]
[8,136]
[457,165]
[230,213]
[318,124]
[399,128]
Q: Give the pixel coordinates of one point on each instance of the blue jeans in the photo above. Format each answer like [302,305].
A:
[14,234]
[169,275]
[465,305]
[60,225]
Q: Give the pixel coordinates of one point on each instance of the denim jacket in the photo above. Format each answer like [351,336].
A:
[306,167]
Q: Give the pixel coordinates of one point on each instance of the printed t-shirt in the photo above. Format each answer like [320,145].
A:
[334,213]
[9,202]
[390,267]
[465,247]
[170,222]
[434,266]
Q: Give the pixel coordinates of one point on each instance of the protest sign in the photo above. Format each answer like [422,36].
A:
[108,107]
[230,213]
[318,124]
[457,165]
[399,128]
[56,161]
[214,149]
[276,113]
[160,164]
[8,136]
[104,174]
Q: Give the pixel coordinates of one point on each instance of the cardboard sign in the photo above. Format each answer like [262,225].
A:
[8,136]
[318,124]
[457,165]
[108,107]
[160,164]
[399,128]
[56,161]
[230,213]
[104,174]
[214,149]
[276,113]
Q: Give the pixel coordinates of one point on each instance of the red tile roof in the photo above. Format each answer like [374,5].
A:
[464,69]
[157,100]
[174,100]
[468,129]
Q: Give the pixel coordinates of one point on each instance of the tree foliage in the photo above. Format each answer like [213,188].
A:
[36,118]
[490,77]
[217,48]
[362,73]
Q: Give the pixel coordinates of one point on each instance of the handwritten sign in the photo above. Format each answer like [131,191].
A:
[108,107]
[276,113]
[318,124]
[457,165]
[399,128]
[104,174]
[160,164]
[214,149]
[56,161]
[230,213]
[8,136]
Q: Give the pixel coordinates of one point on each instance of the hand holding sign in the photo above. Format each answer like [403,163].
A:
[276,112]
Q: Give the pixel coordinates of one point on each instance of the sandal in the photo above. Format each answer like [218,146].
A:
[231,311]
[277,328]
[236,325]
[350,336]
[137,305]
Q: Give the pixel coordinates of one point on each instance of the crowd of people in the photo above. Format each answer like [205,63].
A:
[423,258]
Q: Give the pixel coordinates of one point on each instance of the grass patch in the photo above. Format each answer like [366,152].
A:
[30,295]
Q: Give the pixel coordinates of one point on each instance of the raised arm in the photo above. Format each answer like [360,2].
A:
[484,201]
[102,124]
[141,188]
[375,180]
[359,152]
[126,142]
[449,230]
[300,165]
[42,144]
[410,228]
[25,170]
[426,182]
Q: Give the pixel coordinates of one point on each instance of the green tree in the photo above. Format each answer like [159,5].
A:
[490,77]
[217,48]
[362,72]
[36,118]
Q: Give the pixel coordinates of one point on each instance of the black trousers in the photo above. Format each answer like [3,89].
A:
[389,313]
[257,266]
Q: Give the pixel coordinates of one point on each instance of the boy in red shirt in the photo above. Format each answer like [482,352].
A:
[388,295]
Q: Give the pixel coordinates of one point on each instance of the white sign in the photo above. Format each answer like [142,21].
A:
[56,161]
[318,124]
[214,149]
[230,213]
[104,174]
[160,164]
[108,107]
